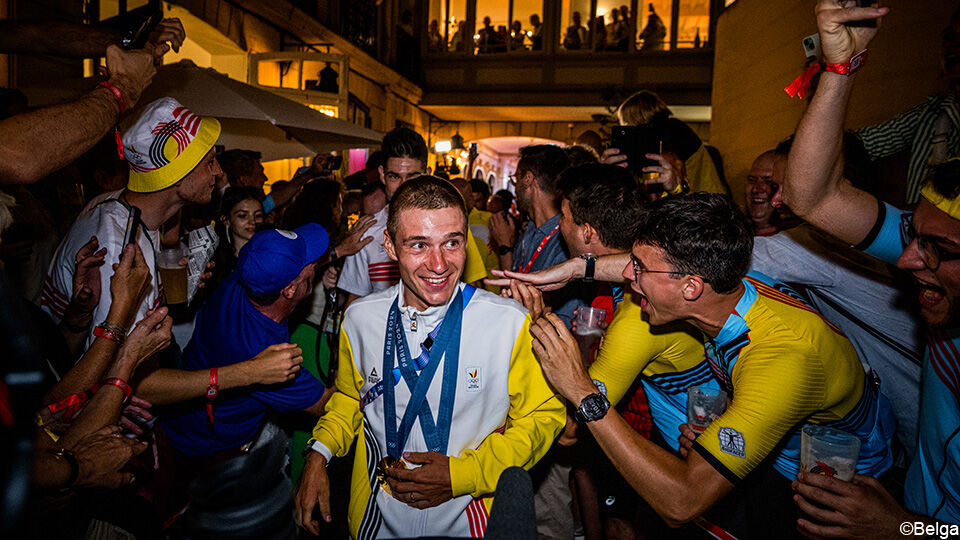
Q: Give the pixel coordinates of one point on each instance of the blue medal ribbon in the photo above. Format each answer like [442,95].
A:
[446,345]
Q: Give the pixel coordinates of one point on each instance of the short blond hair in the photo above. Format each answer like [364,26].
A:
[640,108]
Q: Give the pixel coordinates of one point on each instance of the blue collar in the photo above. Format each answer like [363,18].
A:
[548,225]
[735,326]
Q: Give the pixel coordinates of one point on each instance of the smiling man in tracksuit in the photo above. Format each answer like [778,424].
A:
[440,413]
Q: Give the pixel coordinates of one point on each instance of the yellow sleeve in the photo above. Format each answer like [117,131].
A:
[777,387]
[702,173]
[534,420]
[340,422]
[628,346]
[474,269]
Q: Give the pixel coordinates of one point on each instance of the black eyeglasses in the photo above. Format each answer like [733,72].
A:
[930,253]
[639,269]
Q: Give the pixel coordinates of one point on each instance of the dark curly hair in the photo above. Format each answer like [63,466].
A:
[702,234]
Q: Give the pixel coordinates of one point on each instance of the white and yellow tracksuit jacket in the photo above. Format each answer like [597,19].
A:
[504,413]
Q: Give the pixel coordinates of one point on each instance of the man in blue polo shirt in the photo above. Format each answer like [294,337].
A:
[246,314]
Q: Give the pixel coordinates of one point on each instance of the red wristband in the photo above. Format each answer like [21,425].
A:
[117,94]
[108,333]
[802,83]
[123,108]
[119,383]
[212,391]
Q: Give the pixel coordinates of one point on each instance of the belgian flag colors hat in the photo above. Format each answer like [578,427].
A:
[165,144]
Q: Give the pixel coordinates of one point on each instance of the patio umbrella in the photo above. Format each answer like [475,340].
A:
[251,118]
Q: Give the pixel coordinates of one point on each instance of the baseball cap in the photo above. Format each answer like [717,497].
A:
[165,144]
[273,258]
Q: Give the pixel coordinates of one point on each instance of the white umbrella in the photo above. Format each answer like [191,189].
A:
[251,118]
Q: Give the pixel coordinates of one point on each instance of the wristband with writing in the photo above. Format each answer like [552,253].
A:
[123,108]
[119,383]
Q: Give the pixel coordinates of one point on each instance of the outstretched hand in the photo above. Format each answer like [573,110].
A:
[549,279]
[130,278]
[528,295]
[168,34]
[839,41]
[100,456]
[150,336]
[276,364]
[355,240]
[86,276]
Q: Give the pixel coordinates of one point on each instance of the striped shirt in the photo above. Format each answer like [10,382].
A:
[928,129]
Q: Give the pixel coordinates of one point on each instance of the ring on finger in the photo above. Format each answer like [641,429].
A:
[411,496]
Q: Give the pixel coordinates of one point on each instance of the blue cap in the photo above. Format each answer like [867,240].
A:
[273,258]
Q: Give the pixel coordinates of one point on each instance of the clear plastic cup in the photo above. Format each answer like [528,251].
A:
[588,321]
[172,274]
[828,451]
[704,405]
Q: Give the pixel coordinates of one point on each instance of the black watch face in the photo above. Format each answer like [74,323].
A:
[593,407]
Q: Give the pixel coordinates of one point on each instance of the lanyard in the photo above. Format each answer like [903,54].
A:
[447,346]
[536,253]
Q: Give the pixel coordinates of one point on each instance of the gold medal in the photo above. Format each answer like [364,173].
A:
[388,462]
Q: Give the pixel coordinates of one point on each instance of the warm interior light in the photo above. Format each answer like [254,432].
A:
[442,146]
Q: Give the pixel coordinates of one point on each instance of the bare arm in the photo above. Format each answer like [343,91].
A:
[275,364]
[607,268]
[126,288]
[62,133]
[814,188]
[679,490]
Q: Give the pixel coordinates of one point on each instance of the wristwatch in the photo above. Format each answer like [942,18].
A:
[503,250]
[593,408]
[591,260]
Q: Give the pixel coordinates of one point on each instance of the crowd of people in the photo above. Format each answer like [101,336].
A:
[609,32]
[515,364]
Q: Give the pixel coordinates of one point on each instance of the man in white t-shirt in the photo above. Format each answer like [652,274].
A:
[172,164]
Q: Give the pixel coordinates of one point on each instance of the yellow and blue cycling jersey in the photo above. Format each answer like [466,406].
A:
[669,359]
[784,366]
[932,486]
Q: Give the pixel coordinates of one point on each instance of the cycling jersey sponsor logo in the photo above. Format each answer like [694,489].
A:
[731,442]
[473,379]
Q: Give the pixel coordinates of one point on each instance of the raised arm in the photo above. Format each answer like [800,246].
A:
[814,188]
[607,268]
[275,364]
[62,133]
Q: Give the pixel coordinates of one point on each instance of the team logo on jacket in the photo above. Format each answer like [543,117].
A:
[473,379]
[373,378]
[731,442]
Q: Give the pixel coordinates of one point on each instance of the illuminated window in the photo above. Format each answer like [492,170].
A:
[577,34]
[446,30]
[526,30]
[493,19]
[693,23]
[654,26]
[328,110]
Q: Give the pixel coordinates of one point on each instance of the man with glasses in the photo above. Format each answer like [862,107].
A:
[925,243]
[782,363]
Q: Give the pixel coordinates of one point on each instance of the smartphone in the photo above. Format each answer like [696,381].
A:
[871,23]
[136,37]
[333,163]
[635,142]
[133,222]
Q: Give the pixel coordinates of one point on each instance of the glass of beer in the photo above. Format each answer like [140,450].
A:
[589,319]
[173,275]
[704,405]
[828,451]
